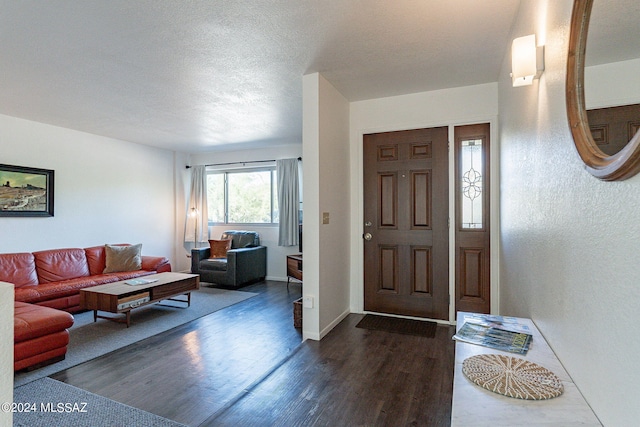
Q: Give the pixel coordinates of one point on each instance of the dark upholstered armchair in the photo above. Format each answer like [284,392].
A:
[246,261]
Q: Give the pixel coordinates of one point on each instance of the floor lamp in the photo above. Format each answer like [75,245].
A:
[194,214]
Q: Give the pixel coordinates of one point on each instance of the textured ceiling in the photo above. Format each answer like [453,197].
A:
[203,75]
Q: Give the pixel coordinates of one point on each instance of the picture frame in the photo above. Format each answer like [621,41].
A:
[26,192]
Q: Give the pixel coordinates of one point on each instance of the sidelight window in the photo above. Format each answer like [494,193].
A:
[473,218]
[471,183]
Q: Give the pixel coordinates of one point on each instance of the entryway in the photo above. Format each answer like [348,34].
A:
[407,217]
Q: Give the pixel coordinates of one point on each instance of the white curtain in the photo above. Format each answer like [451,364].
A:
[196,229]
[288,201]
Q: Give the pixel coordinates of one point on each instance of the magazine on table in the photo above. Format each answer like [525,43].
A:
[134,282]
[501,322]
[493,336]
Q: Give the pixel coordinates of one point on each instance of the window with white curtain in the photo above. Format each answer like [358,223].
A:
[245,196]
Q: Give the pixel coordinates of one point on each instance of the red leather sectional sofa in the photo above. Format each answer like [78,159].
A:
[47,282]
[40,335]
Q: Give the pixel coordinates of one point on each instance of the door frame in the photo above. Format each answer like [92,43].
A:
[357,214]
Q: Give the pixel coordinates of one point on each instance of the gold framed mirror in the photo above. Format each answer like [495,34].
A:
[621,165]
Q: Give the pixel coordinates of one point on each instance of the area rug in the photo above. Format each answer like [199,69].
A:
[399,326]
[47,402]
[89,339]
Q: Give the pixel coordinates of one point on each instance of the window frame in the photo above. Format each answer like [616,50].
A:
[273,199]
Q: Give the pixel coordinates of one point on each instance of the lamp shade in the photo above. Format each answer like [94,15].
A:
[524,67]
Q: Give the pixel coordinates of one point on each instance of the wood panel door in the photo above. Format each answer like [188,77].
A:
[406,244]
[473,275]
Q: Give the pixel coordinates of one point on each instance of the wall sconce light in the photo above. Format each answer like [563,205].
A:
[527,60]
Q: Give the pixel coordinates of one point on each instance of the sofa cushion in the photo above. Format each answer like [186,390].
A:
[214,264]
[33,321]
[96,258]
[101,279]
[60,264]
[40,350]
[158,264]
[122,258]
[242,239]
[64,288]
[26,293]
[126,275]
[219,248]
[19,269]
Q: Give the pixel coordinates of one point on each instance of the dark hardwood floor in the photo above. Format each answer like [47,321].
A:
[246,366]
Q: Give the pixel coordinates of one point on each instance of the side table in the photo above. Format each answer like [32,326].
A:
[294,268]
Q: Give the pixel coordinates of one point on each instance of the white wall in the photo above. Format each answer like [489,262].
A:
[326,174]
[6,351]
[449,107]
[106,190]
[569,241]
[334,200]
[610,85]
[276,255]
[311,196]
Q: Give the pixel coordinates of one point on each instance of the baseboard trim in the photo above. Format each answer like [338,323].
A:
[333,324]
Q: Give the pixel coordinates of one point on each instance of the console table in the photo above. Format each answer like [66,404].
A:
[294,267]
[473,405]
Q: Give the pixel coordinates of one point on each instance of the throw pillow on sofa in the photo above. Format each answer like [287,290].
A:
[219,248]
[123,258]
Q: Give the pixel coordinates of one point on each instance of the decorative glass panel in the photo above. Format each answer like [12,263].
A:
[472,169]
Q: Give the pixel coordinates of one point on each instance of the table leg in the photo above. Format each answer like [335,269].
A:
[95,316]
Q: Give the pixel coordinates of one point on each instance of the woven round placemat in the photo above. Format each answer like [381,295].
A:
[513,377]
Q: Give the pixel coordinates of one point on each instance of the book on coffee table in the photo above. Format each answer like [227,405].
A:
[134,282]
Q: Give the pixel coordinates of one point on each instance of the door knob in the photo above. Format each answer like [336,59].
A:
[367,236]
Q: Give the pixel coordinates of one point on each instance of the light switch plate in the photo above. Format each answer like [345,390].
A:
[325,217]
[307,302]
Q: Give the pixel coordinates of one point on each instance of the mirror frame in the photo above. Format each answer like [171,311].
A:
[616,167]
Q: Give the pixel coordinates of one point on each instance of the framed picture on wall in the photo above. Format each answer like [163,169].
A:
[25,191]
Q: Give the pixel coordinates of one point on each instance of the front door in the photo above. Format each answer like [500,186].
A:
[406,242]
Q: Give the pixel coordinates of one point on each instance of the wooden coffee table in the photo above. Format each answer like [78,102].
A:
[120,297]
